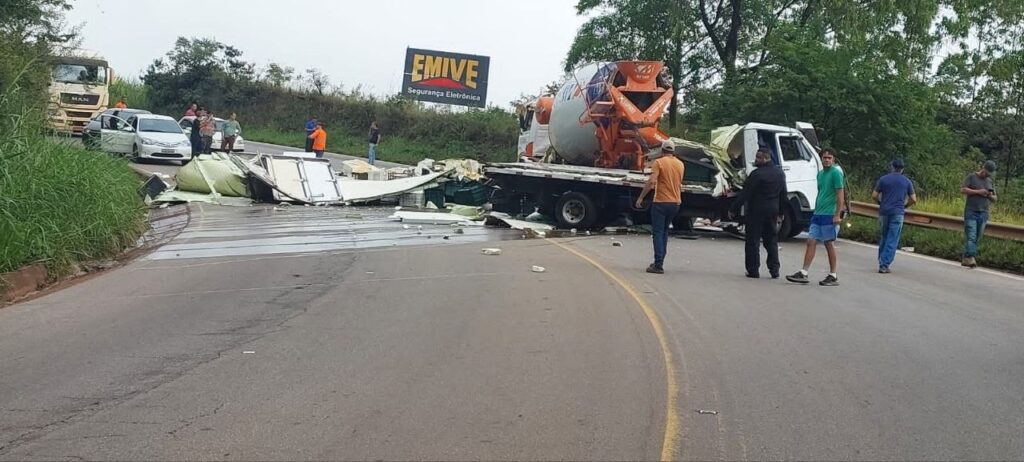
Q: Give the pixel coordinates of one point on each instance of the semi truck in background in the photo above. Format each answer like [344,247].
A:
[600,126]
[79,90]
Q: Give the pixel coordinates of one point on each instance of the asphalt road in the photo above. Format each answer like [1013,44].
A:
[334,333]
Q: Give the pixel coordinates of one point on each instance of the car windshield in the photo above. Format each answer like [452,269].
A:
[158,126]
[80,73]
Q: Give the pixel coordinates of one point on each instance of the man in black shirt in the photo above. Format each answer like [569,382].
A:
[764,194]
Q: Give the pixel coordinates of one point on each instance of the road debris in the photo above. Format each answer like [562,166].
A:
[707,412]
[537,269]
[616,244]
[491,251]
[248,352]
[907,249]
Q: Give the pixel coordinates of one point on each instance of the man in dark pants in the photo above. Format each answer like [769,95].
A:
[764,194]
[667,182]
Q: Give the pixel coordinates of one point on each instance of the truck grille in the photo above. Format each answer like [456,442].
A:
[77,98]
[79,114]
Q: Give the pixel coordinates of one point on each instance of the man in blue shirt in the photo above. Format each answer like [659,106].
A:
[310,128]
[893,192]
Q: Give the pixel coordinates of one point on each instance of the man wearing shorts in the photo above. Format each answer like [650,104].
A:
[825,222]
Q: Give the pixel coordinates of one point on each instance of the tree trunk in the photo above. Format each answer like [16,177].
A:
[677,74]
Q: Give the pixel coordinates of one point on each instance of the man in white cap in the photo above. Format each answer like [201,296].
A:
[667,182]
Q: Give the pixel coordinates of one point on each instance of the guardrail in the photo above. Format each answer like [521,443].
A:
[937,221]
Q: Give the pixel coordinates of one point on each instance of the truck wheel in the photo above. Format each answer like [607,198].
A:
[575,210]
[683,224]
[789,228]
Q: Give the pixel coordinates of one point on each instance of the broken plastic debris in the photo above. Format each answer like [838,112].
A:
[460,231]
[537,269]
[248,352]
[405,226]
[706,411]
[907,249]
[398,207]
[445,237]
[491,251]
[572,231]
[588,233]
[849,225]
[616,244]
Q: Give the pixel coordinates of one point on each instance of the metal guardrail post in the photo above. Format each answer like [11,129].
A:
[946,222]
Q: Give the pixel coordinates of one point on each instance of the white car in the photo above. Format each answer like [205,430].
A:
[186,126]
[148,136]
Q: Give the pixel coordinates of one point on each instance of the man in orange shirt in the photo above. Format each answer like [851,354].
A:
[121,104]
[667,182]
[319,137]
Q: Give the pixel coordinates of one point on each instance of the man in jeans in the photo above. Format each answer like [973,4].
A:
[374,140]
[667,182]
[231,130]
[893,192]
[980,191]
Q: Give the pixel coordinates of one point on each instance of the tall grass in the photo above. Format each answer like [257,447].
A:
[58,203]
[134,92]
[392,149]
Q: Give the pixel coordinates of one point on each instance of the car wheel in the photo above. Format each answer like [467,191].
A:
[135,153]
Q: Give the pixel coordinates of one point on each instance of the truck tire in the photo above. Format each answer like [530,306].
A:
[575,210]
[683,224]
[789,228]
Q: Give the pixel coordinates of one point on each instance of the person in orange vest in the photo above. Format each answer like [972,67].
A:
[319,137]
[121,104]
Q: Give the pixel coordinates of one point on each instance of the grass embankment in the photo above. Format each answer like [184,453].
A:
[992,253]
[392,149]
[60,204]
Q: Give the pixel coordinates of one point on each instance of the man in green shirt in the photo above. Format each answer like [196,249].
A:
[825,222]
[231,130]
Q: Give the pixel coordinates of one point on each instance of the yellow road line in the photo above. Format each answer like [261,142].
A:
[672,420]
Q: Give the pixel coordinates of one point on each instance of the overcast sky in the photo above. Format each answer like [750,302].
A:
[354,42]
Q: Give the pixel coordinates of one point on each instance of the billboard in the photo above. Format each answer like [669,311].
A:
[444,77]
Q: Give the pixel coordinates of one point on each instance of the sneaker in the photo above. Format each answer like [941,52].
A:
[966,261]
[775,275]
[753,275]
[655,269]
[971,262]
[798,277]
[883,269]
[829,281]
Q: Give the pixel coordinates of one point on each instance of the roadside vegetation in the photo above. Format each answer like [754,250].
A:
[993,253]
[58,204]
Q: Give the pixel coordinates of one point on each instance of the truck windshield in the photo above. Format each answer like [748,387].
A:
[158,126]
[80,73]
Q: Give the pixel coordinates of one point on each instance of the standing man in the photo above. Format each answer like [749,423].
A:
[980,191]
[310,128]
[318,140]
[667,182]
[765,195]
[374,141]
[894,192]
[825,222]
[195,137]
[121,104]
[231,130]
[207,127]
[191,111]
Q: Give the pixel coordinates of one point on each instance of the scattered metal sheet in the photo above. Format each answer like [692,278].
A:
[174,197]
[368,190]
[520,224]
[433,218]
[310,180]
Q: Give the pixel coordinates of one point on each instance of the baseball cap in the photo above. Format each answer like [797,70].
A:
[990,166]
[668,146]
[897,163]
